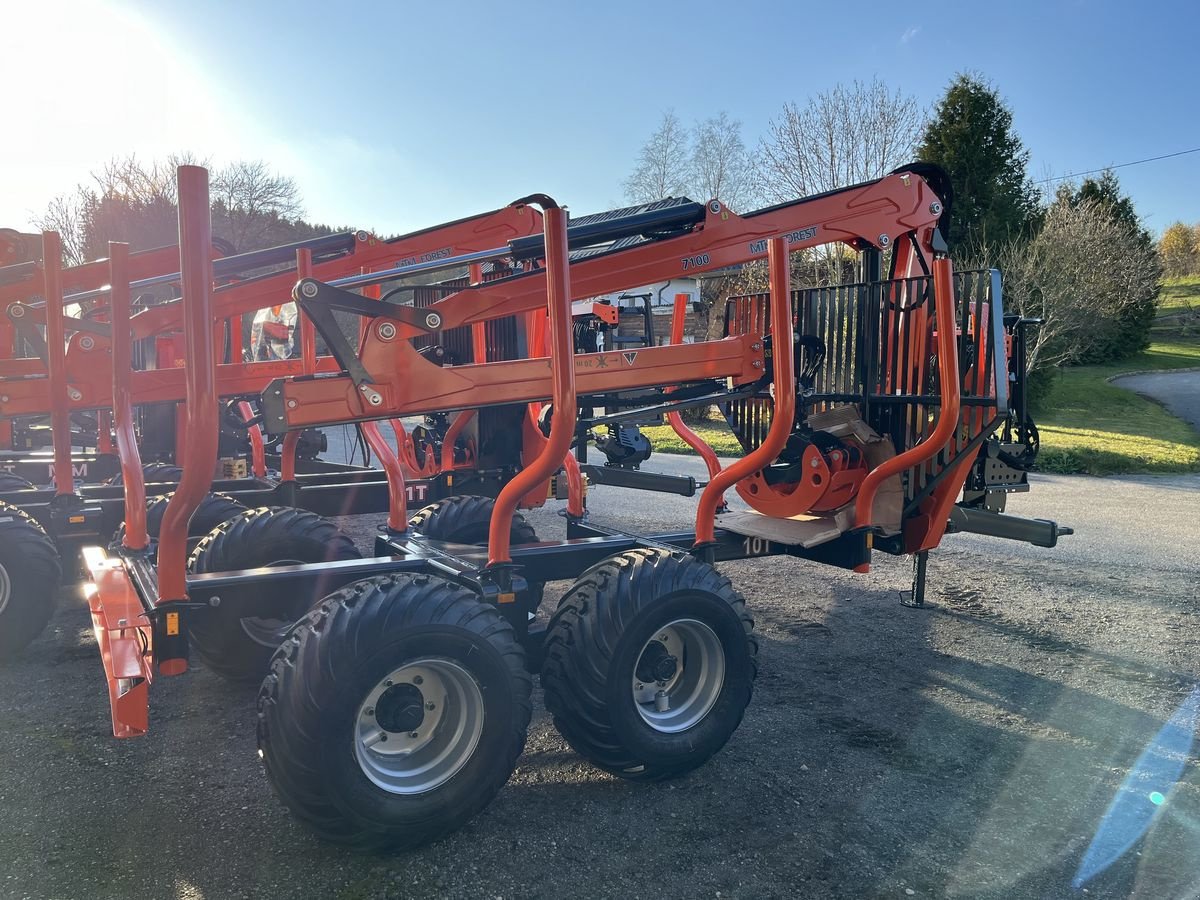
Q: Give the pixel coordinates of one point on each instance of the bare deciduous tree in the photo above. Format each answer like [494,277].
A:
[720,165]
[249,200]
[1078,274]
[663,166]
[136,202]
[65,214]
[850,134]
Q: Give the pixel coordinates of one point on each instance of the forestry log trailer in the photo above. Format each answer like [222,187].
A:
[396,708]
[64,389]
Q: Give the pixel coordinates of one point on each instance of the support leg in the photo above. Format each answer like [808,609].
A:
[917,597]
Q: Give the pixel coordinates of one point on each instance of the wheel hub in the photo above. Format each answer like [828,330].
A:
[419,726]
[665,668]
[657,663]
[400,708]
[679,675]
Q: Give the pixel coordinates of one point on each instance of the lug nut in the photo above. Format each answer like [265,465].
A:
[417,679]
[414,734]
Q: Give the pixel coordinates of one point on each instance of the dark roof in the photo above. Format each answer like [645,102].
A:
[665,203]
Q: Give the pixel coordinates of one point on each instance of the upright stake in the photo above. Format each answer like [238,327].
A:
[195,239]
[562,368]
[122,367]
[783,373]
[56,346]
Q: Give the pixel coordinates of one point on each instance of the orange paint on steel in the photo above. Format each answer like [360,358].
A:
[479,329]
[482,232]
[406,453]
[31,396]
[784,377]
[195,264]
[56,360]
[397,490]
[104,436]
[537,348]
[397,495]
[258,453]
[452,433]
[287,465]
[943,431]
[689,437]
[92,275]
[575,507]
[308,334]
[562,365]
[122,367]
[123,636]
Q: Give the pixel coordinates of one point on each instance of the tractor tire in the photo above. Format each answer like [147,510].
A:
[238,646]
[465,520]
[213,510]
[30,572]
[649,664]
[427,684]
[10,482]
[153,473]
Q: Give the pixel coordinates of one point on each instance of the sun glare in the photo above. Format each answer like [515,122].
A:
[90,82]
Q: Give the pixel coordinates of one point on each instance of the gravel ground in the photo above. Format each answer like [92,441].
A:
[966,749]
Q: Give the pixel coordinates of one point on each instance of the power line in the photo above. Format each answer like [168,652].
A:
[1136,162]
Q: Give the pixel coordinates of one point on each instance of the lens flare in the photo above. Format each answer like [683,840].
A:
[1143,792]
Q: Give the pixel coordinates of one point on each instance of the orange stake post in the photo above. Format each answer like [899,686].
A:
[562,366]
[689,437]
[943,431]
[56,359]
[784,375]
[258,453]
[195,239]
[397,490]
[122,367]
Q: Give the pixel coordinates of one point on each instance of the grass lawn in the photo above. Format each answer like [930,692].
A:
[715,433]
[1090,426]
[1178,294]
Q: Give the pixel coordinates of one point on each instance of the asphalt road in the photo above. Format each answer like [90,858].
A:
[970,749]
[1179,392]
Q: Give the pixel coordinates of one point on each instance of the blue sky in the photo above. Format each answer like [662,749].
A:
[395,116]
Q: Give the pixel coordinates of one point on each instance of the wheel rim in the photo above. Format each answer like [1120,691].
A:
[5,588]
[418,726]
[270,631]
[678,676]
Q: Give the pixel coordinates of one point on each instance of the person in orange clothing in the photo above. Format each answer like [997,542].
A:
[273,333]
